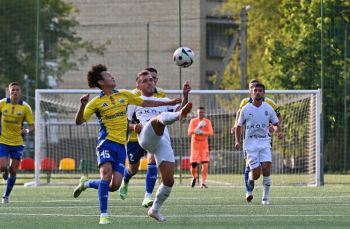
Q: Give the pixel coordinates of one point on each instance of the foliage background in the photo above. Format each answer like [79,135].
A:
[303,45]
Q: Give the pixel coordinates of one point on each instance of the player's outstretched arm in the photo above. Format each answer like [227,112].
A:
[80,113]
[153,103]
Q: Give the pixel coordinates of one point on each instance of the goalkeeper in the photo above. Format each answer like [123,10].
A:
[199,129]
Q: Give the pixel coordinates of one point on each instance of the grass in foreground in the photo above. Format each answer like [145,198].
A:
[215,207]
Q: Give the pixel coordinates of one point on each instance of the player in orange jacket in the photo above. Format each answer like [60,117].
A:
[200,128]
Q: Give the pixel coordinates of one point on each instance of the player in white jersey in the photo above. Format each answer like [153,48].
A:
[154,137]
[256,117]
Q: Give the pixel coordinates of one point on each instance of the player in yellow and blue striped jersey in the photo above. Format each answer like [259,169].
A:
[110,107]
[14,111]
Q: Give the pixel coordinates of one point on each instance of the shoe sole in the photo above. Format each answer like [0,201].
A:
[249,198]
[147,205]
[77,192]
[193,183]
[185,110]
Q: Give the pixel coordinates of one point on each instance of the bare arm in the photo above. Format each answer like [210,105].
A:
[153,103]
[238,130]
[185,91]
[278,130]
[236,120]
[28,130]
[80,113]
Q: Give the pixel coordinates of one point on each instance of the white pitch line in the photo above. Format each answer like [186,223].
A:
[179,198]
[172,216]
[187,205]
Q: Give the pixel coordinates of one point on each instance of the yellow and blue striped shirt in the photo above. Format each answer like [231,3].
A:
[111,111]
[12,118]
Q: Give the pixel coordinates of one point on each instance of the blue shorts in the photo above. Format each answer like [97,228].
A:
[14,152]
[109,151]
[135,152]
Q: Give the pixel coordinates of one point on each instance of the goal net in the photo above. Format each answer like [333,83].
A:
[65,151]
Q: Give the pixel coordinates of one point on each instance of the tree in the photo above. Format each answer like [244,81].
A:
[263,22]
[38,38]
[291,58]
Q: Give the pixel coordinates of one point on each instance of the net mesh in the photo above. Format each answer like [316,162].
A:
[294,157]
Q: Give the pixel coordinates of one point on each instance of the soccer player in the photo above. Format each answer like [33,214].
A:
[256,117]
[154,137]
[135,152]
[245,101]
[110,108]
[13,112]
[199,129]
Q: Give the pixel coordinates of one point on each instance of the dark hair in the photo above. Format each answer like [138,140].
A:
[253,81]
[142,73]
[200,108]
[259,85]
[94,75]
[14,84]
[151,69]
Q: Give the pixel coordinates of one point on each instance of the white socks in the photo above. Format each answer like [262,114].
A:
[168,118]
[162,194]
[266,187]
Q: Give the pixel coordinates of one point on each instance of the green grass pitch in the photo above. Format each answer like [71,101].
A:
[215,207]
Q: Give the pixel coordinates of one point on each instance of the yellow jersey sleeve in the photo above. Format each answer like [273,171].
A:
[273,105]
[90,109]
[12,118]
[244,102]
[29,117]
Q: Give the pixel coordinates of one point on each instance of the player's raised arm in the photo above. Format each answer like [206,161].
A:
[80,113]
[186,88]
[153,103]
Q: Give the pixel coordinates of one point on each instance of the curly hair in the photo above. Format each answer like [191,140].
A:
[94,75]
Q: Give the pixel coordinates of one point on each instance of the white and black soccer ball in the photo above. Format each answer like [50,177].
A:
[183,57]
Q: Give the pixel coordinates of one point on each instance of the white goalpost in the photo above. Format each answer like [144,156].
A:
[64,151]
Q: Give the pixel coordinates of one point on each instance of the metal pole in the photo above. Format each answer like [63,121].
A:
[345,96]
[147,45]
[180,44]
[37,44]
[243,63]
[180,83]
[322,92]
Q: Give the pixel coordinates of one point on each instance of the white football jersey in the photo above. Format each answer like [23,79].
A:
[144,114]
[257,120]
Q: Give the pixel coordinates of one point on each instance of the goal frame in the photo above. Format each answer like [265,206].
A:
[318,163]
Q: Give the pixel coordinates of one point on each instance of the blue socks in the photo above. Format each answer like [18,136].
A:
[246,178]
[126,176]
[10,183]
[92,184]
[151,177]
[103,189]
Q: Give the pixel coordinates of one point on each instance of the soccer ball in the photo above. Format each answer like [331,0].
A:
[183,57]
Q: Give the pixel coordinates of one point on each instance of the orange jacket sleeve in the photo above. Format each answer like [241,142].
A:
[208,130]
[191,127]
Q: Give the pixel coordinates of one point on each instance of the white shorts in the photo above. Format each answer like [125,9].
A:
[257,152]
[160,146]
